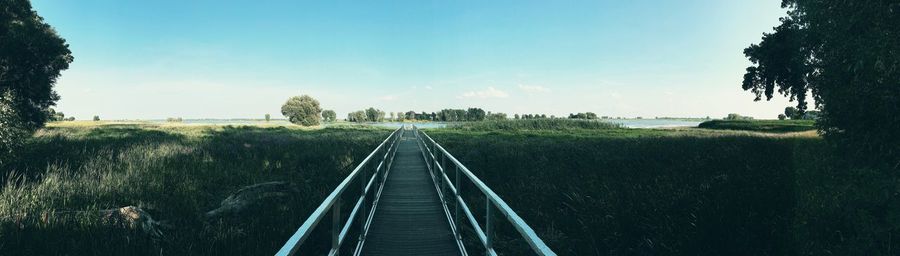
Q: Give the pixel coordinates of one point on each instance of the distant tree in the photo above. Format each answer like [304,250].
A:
[32,56]
[516,116]
[475,114]
[393,116]
[71,118]
[781,117]
[411,115]
[96,118]
[792,113]
[734,116]
[302,110]
[268,117]
[329,115]
[53,116]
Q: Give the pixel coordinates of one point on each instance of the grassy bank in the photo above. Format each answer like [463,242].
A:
[682,192]
[777,126]
[49,202]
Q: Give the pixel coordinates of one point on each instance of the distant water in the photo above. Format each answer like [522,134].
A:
[630,123]
[655,123]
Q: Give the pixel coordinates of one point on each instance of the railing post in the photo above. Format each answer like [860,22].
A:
[456,205]
[335,226]
[489,227]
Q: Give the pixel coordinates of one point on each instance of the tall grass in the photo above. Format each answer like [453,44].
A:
[597,193]
[49,202]
[535,124]
[780,126]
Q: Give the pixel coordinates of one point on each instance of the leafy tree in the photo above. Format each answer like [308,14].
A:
[32,56]
[781,117]
[847,55]
[792,113]
[268,117]
[53,116]
[475,114]
[329,115]
[302,110]
[96,118]
[734,116]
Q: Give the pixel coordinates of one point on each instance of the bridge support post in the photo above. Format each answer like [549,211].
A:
[489,227]
[456,204]
[336,227]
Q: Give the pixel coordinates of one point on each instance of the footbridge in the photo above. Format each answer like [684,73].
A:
[405,198]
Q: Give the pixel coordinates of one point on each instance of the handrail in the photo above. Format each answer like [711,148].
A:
[333,201]
[443,181]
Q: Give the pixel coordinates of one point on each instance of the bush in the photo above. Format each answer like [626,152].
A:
[302,110]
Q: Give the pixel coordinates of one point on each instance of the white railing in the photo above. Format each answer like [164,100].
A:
[384,153]
[444,184]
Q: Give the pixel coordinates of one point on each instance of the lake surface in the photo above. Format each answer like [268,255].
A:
[630,123]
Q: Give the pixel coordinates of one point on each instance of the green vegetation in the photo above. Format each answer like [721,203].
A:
[50,200]
[845,55]
[680,192]
[32,55]
[780,126]
[329,115]
[535,124]
[302,110]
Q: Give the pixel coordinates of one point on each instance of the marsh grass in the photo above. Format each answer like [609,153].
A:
[51,195]
[680,192]
[778,126]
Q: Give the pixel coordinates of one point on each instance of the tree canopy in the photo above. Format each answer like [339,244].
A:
[32,56]
[329,115]
[847,55]
[302,110]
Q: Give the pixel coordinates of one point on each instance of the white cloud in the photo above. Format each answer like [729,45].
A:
[534,89]
[388,97]
[490,92]
[428,87]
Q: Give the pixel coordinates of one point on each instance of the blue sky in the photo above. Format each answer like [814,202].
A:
[243,59]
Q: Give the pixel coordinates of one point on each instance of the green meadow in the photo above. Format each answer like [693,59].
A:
[586,187]
[50,200]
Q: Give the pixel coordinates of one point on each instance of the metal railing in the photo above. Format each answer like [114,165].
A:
[443,183]
[384,153]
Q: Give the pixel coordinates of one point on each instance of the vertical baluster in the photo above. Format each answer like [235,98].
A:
[335,225]
[456,205]
[489,227]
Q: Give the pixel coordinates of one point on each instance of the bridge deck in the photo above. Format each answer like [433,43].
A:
[409,218]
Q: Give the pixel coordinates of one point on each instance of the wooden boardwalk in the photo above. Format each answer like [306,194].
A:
[409,218]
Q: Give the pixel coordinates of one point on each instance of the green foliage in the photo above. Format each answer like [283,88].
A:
[587,115]
[96,118]
[847,54]
[268,117]
[779,126]
[535,124]
[792,113]
[782,117]
[734,116]
[302,110]
[374,115]
[357,116]
[32,56]
[329,115]
[664,192]
[175,174]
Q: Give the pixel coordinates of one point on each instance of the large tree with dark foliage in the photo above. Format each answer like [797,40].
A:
[302,110]
[32,56]
[846,54]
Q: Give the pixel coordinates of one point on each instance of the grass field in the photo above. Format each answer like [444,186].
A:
[587,189]
[777,126]
[50,200]
[682,191]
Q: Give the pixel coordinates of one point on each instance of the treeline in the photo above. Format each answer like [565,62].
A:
[449,115]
